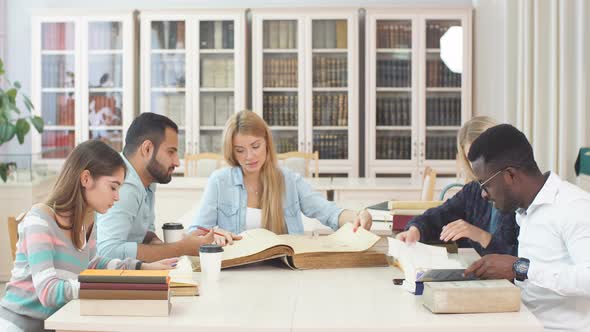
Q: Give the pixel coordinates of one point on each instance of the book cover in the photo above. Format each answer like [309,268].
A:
[476,296]
[145,308]
[119,286]
[123,294]
[124,276]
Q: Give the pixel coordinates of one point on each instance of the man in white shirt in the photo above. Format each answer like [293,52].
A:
[553,270]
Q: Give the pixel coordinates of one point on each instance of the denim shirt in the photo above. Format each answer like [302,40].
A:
[468,205]
[225,200]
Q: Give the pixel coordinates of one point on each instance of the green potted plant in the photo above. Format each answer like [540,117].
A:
[13,121]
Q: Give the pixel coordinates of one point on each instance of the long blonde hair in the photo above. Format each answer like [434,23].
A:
[467,134]
[271,178]
[68,196]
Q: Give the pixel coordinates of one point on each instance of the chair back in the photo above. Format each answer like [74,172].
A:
[13,232]
[304,163]
[428,182]
[202,164]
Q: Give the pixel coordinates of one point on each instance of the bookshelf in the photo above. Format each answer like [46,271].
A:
[82,79]
[193,71]
[305,82]
[415,104]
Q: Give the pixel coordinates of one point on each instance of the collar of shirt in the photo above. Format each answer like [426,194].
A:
[546,195]
[133,177]
[237,176]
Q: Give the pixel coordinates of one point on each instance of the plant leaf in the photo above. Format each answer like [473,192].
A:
[11,93]
[22,128]
[8,132]
[1,67]
[3,171]
[17,85]
[28,103]
[37,122]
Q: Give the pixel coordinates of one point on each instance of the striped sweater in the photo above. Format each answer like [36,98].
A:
[47,264]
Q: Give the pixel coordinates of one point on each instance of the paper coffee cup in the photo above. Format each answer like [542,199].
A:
[173,232]
[210,257]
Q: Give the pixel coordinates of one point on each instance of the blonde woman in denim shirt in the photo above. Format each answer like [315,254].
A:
[256,193]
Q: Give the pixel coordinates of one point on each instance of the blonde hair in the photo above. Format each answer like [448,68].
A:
[467,134]
[271,178]
[68,197]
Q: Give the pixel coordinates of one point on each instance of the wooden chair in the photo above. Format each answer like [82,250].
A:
[428,182]
[13,232]
[202,164]
[300,162]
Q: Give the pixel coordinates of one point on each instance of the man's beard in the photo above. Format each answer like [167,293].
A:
[157,171]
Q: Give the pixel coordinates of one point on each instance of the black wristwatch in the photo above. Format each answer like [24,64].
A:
[138,265]
[521,268]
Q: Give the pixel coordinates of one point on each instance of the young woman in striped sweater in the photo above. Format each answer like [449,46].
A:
[57,239]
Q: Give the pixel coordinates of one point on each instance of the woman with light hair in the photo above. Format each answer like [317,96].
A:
[256,193]
[467,217]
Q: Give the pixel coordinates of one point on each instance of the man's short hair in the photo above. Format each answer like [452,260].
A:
[147,126]
[502,146]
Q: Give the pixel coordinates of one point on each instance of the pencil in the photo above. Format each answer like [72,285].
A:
[208,230]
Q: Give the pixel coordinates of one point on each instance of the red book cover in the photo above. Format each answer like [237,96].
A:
[400,222]
[118,286]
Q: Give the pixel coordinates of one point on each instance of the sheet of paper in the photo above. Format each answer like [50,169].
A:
[343,240]
[182,275]
[253,241]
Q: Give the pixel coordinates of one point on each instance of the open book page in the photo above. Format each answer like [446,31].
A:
[253,241]
[418,258]
[343,240]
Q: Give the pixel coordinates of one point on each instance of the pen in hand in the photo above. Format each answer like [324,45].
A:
[208,230]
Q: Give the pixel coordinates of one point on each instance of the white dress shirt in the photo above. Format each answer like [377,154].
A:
[555,237]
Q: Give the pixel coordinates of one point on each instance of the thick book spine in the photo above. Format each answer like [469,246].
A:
[117,286]
[123,294]
[123,280]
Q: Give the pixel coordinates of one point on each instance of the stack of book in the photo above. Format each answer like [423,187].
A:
[124,293]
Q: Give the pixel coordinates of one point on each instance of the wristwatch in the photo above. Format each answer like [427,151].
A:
[521,268]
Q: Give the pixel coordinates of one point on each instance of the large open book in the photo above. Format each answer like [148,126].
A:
[422,263]
[343,248]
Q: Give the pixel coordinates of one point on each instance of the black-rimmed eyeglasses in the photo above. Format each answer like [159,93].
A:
[483,183]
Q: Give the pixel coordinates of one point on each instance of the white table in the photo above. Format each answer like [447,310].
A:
[278,299]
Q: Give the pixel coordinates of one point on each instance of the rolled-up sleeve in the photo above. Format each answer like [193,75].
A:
[314,205]
[114,226]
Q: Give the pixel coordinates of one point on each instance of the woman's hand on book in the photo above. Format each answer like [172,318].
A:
[412,235]
[460,228]
[164,264]
[227,238]
[363,219]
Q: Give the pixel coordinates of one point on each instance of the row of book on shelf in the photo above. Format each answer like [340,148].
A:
[57,144]
[172,105]
[105,36]
[443,117]
[57,71]
[393,147]
[329,34]
[284,144]
[279,72]
[280,34]
[168,70]
[394,111]
[280,110]
[439,75]
[216,34]
[59,109]
[435,31]
[330,145]
[210,142]
[58,36]
[217,71]
[330,71]
[216,109]
[394,73]
[330,109]
[168,35]
[439,147]
[394,34]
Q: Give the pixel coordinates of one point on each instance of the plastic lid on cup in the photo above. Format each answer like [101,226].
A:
[172,225]
[210,248]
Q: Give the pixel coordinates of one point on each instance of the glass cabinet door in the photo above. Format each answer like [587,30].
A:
[393,105]
[168,74]
[216,81]
[58,95]
[105,83]
[280,86]
[443,88]
[330,88]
